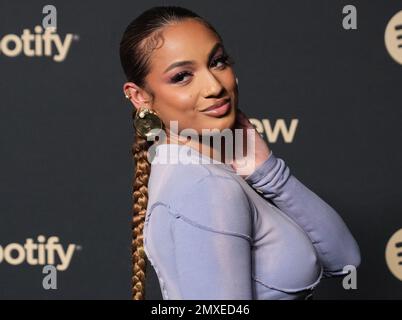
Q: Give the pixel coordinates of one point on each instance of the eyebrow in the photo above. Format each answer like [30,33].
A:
[215,48]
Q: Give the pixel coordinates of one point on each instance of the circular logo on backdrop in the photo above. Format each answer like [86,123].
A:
[393,254]
[393,37]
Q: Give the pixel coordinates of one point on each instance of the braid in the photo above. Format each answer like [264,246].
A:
[140,198]
[139,39]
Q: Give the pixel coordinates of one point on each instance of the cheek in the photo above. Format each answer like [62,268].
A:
[174,104]
[186,102]
[230,81]
[178,99]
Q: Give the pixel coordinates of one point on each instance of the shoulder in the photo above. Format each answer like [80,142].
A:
[215,202]
[202,195]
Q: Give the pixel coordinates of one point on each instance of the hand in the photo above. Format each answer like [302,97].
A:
[261,150]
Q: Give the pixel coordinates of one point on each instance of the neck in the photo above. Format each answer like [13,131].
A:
[207,148]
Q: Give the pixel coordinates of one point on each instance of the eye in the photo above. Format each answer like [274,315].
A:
[225,59]
[179,76]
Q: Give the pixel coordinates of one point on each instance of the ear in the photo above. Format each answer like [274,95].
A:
[136,95]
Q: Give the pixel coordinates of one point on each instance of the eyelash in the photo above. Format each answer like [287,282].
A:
[226,59]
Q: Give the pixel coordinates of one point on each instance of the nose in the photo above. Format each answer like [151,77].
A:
[213,86]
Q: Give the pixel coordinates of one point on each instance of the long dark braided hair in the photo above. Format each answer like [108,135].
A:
[139,40]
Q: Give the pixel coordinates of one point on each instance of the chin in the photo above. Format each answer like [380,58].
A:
[219,123]
[226,122]
[230,121]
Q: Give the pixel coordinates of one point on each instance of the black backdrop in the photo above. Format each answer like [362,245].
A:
[66,132]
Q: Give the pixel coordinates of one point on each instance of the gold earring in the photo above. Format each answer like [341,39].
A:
[127,96]
[147,123]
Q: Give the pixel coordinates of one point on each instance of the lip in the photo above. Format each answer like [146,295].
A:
[218,104]
[219,110]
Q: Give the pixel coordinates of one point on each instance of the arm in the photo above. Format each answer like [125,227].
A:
[330,236]
[212,241]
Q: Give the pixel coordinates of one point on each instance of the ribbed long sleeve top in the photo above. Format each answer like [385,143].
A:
[211,234]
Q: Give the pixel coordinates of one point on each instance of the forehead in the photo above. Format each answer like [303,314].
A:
[186,40]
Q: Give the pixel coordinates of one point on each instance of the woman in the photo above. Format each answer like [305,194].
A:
[209,232]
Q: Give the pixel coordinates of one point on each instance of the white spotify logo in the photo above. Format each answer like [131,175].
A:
[40,43]
[393,37]
[393,254]
[44,252]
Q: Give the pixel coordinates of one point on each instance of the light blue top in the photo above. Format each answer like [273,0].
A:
[211,234]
